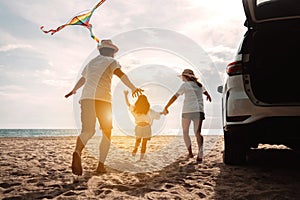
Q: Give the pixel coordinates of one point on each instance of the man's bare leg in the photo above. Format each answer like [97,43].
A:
[104,148]
[76,160]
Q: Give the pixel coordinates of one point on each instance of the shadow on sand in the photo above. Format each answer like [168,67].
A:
[268,174]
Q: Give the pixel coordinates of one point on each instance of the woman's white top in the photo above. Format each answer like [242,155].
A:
[193,99]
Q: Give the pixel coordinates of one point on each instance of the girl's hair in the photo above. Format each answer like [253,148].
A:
[141,105]
[193,79]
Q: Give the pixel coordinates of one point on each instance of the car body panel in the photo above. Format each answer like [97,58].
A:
[240,104]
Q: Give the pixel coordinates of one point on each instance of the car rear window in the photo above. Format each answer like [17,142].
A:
[268,9]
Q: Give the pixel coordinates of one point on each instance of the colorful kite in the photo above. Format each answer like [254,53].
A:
[82,20]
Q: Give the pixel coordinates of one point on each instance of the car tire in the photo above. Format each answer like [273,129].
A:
[234,147]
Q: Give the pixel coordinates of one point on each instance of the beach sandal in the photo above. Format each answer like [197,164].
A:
[76,164]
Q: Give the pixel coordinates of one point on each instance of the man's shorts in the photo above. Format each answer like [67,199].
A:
[91,109]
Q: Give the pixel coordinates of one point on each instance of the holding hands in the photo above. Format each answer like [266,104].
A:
[165,111]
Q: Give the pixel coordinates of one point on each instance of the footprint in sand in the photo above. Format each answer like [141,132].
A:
[169,186]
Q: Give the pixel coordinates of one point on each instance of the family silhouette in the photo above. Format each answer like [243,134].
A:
[96,104]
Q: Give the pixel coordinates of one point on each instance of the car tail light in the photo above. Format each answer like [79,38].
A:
[234,68]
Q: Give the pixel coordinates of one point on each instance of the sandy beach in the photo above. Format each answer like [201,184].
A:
[39,168]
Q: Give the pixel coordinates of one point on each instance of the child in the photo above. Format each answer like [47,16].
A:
[143,116]
[192,109]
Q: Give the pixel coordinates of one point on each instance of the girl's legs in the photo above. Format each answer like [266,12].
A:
[144,145]
[187,140]
[137,144]
[197,130]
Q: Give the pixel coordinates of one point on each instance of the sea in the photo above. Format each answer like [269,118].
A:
[76,132]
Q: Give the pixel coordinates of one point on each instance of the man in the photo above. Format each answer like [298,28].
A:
[96,101]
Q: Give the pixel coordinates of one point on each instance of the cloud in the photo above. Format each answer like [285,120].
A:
[221,53]
[10,47]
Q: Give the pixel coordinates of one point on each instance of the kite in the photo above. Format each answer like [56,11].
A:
[81,19]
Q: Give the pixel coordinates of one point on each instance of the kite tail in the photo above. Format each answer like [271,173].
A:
[95,38]
[52,31]
[92,35]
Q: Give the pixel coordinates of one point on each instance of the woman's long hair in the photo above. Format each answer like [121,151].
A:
[141,105]
[193,79]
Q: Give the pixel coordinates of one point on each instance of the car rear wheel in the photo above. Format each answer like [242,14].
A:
[234,147]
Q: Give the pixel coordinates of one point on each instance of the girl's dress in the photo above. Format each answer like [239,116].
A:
[143,122]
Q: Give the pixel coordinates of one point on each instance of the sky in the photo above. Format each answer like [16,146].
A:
[157,39]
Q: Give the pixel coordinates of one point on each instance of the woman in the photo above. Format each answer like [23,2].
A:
[192,109]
